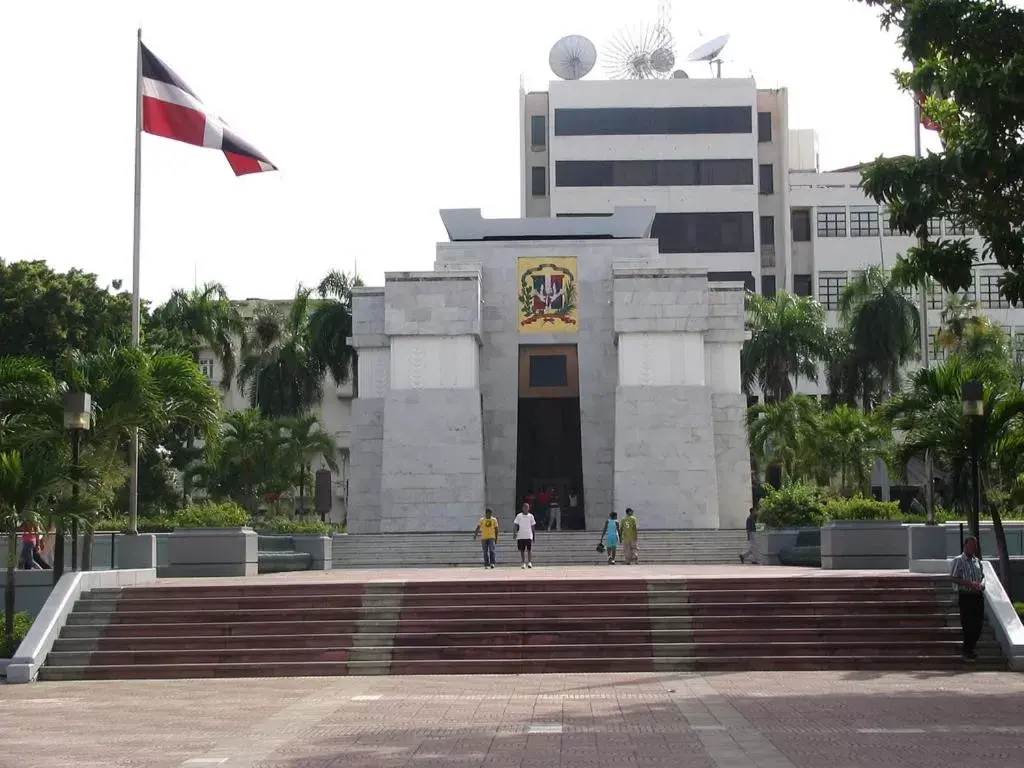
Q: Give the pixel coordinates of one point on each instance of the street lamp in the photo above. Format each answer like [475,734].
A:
[77,419]
[974,409]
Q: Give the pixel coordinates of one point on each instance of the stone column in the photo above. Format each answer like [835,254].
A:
[723,343]
[432,469]
[664,435]
[373,372]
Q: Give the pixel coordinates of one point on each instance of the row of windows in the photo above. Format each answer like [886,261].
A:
[653,173]
[984,291]
[727,232]
[647,121]
[864,221]
[539,134]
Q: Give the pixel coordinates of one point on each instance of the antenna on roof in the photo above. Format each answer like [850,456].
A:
[711,52]
[572,57]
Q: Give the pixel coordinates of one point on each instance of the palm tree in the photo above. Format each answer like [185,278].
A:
[848,441]
[884,329]
[781,433]
[304,442]
[330,324]
[246,459]
[204,318]
[957,317]
[280,372]
[787,341]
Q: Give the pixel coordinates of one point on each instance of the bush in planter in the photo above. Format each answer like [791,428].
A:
[146,524]
[860,508]
[794,505]
[211,515]
[22,624]
[296,526]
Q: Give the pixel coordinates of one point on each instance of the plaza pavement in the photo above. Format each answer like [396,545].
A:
[748,720]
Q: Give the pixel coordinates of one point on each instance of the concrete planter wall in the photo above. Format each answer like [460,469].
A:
[768,544]
[31,589]
[212,552]
[927,542]
[320,547]
[864,544]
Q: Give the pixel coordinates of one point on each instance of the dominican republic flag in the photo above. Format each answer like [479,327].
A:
[926,121]
[171,109]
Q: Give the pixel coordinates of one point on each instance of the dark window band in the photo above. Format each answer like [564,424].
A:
[727,232]
[622,121]
[653,173]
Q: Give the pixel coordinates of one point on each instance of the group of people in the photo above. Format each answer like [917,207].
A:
[546,507]
[614,535]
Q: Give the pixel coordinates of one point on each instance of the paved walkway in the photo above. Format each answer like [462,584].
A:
[751,720]
[514,573]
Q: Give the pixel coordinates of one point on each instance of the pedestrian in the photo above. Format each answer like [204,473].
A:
[628,530]
[556,511]
[523,527]
[610,536]
[487,530]
[751,530]
[969,578]
[29,537]
[543,508]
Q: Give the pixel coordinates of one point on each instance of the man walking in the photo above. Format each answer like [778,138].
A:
[523,527]
[751,530]
[969,578]
[487,530]
[629,533]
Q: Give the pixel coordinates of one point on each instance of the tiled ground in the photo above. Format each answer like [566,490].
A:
[752,720]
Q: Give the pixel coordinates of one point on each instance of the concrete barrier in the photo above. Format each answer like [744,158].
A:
[864,544]
[31,588]
[320,547]
[212,552]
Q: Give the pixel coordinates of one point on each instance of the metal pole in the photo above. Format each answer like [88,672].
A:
[76,455]
[133,452]
[929,500]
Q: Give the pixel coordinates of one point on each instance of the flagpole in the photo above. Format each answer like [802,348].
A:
[925,345]
[133,458]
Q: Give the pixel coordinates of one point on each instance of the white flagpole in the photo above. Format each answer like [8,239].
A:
[925,340]
[133,458]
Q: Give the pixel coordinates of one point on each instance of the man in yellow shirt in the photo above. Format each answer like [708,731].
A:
[487,530]
[628,527]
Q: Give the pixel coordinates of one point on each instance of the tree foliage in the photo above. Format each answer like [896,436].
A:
[787,341]
[968,59]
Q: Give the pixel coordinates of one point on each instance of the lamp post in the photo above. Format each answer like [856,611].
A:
[77,419]
[974,409]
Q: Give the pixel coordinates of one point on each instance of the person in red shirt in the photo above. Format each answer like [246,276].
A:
[543,508]
[29,537]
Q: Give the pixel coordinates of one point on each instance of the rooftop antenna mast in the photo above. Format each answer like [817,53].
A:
[665,15]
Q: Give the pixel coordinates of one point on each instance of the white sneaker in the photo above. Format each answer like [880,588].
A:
[524,566]
[529,565]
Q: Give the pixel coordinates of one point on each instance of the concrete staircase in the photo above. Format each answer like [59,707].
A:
[441,550]
[514,625]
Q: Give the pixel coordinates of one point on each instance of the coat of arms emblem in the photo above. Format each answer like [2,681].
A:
[547,295]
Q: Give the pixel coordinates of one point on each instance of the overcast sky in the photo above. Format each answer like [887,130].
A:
[378,114]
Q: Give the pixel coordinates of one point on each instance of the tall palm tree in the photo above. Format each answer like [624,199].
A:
[884,328]
[787,341]
[847,443]
[781,433]
[205,318]
[304,442]
[246,460]
[330,324]
[280,372]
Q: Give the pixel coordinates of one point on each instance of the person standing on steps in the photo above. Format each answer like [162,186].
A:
[969,578]
[555,514]
[751,530]
[610,536]
[543,508]
[629,533]
[487,530]
[523,527]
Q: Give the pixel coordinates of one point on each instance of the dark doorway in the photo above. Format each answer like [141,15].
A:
[550,453]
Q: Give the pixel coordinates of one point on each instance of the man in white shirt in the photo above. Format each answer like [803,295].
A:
[523,526]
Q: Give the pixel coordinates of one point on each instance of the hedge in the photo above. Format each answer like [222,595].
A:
[22,624]
[802,505]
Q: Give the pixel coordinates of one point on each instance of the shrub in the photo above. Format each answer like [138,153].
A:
[211,515]
[794,505]
[860,508]
[281,524]
[146,524]
[22,624]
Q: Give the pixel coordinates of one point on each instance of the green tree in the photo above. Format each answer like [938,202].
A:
[884,330]
[304,442]
[248,461]
[787,342]
[43,313]
[330,324]
[846,443]
[781,434]
[969,62]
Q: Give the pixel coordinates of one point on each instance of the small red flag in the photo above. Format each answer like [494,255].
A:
[926,121]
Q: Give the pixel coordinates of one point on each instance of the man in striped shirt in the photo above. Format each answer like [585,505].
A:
[969,578]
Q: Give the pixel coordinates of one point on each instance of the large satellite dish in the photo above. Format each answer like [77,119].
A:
[640,54]
[711,52]
[572,57]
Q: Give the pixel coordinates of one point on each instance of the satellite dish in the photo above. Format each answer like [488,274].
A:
[572,57]
[710,52]
[663,59]
[680,74]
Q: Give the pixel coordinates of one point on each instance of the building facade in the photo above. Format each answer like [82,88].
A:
[565,353]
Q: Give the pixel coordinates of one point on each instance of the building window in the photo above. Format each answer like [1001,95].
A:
[653,173]
[538,132]
[767,241]
[958,229]
[733,277]
[549,371]
[538,181]
[830,288]
[802,285]
[206,366]
[766,179]
[934,226]
[864,221]
[800,220]
[768,285]
[939,352]
[831,222]
[726,232]
[764,127]
[989,295]
[649,121]
[934,296]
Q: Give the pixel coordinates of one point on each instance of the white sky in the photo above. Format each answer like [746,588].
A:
[378,115]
